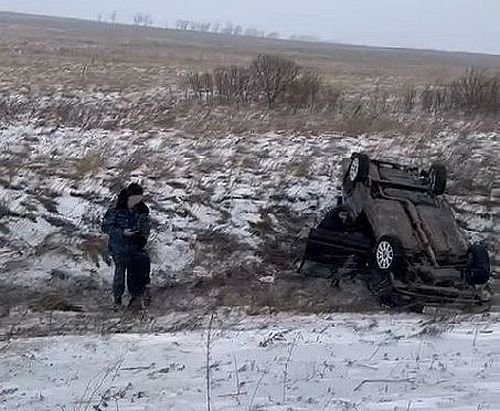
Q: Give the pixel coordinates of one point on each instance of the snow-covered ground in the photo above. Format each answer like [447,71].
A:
[219,204]
[332,362]
[227,206]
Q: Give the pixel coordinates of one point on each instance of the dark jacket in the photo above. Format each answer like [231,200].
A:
[119,218]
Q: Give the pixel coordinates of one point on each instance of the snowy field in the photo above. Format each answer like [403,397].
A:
[219,205]
[232,198]
[333,362]
[237,209]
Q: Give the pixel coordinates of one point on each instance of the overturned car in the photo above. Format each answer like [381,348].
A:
[395,221]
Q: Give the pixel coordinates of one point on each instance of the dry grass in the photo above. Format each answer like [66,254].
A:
[91,163]
[59,67]
[160,53]
[54,301]
[95,249]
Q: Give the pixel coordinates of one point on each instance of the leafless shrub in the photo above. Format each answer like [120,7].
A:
[192,82]
[270,79]
[434,98]
[329,98]
[273,75]
[408,97]
[304,91]
[207,84]
[232,83]
[475,92]
[377,104]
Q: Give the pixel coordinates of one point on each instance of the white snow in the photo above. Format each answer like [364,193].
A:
[195,184]
[334,362]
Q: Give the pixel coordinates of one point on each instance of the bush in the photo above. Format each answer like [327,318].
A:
[408,97]
[475,92]
[434,98]
[268,79]
[303,92]
[273,76]
[232,84]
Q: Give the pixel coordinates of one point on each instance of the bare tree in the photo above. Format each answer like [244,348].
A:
[99,18]
[205,27]
[238,30]
[216,27]
[228,28]
[112,17]
[138,19]
[182,24]
[251,32]
[141,19]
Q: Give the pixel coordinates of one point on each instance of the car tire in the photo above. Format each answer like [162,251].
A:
[479,264]
[389,254]
[437,178]
[359,168]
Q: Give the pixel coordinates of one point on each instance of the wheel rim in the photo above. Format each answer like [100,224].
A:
[433,180]
[353,172]
[385,255]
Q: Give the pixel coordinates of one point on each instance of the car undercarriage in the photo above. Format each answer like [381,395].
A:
[395,220]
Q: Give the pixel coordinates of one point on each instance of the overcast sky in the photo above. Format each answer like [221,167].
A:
[468,25]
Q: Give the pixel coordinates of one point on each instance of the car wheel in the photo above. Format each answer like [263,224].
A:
[388,254]
[479,264]
[359,168]
[437,178]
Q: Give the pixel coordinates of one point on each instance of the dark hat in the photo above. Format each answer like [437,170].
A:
[134,189]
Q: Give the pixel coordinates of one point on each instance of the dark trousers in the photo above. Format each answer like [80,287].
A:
[119,277]
[136,268]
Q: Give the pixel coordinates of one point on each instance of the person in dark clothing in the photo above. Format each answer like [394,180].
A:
[128,226]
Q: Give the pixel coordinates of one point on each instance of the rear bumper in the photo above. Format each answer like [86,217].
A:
[459,293]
